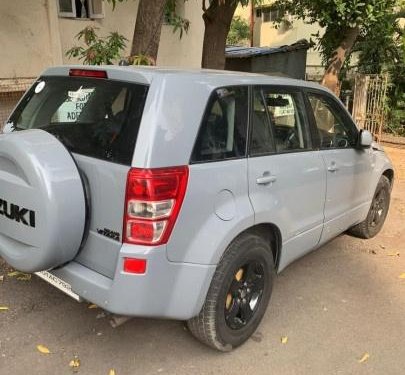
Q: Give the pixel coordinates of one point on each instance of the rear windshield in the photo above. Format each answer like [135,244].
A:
[93,117]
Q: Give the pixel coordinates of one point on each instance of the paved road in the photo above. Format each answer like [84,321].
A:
[334,305]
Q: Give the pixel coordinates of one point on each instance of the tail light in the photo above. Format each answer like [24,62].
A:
[152,204]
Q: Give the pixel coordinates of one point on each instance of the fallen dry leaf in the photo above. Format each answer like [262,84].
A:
[112,372]
[43,349]
[21,276]
[92,306]
[364,358]
[284,339]
[25,277]
[75,363]
[13,274]
[3,308]
[402,276]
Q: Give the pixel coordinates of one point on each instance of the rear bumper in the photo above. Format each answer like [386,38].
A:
[166,290]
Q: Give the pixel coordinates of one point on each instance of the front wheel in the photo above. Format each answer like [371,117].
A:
[238,296]
[378,212]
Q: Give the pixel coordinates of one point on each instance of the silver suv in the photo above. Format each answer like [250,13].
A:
[180,194]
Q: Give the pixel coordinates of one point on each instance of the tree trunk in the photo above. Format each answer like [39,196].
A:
[148,27]
[339,55]
[217,20]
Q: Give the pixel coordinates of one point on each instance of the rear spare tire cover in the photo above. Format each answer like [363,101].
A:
[42,201]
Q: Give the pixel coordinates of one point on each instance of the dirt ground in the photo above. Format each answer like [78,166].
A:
[340,303]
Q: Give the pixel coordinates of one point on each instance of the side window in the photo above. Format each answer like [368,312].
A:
[287,116]
[223,130]
[333,130]
[260,138]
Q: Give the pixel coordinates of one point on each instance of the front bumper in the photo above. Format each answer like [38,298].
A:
[166,290]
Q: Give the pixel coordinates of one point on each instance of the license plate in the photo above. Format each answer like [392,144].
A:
[58,283]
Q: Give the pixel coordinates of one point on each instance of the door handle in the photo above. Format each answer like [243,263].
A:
[333,167]
[266,179]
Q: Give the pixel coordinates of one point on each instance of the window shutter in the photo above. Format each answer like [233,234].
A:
[96,8]
[67,8]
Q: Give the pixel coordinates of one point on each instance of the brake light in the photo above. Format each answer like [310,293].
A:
[88,73]
[152,204]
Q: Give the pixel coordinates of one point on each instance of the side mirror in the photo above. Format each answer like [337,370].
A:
[366,139]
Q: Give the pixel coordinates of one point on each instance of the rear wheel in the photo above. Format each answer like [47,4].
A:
[377,213]
[238,296]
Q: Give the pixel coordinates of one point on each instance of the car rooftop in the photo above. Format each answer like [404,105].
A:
[214,78]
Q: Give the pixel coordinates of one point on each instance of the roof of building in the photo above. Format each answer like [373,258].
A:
[238,52]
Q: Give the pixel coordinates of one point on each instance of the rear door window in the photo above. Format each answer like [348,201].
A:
[93,117]
[287,115]
[223,131]
[261,137]
[279,121]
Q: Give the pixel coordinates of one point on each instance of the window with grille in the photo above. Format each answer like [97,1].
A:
[271,15]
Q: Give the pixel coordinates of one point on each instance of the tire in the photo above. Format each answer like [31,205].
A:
[234,306]
[377,214]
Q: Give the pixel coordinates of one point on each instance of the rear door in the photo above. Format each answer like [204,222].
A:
[348,167]
[287,181]
[97,120]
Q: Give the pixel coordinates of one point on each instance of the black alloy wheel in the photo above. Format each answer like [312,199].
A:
[244,294]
